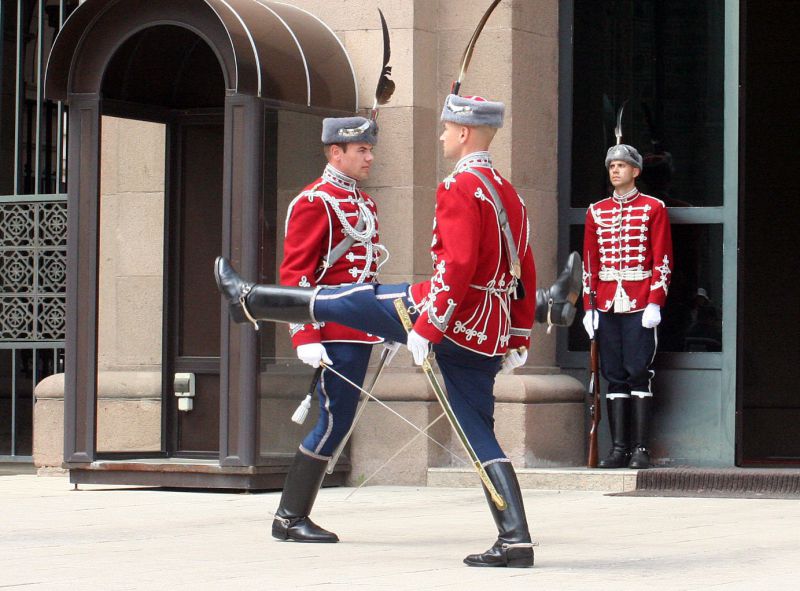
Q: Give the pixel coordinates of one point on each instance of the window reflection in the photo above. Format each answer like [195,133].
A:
[666,60]
[692,316]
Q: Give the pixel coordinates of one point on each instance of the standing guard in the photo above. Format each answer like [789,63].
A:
[627,266]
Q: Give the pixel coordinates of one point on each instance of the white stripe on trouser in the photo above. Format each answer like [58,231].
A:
[642,394]
[613,395]
[328,413]
[343,294]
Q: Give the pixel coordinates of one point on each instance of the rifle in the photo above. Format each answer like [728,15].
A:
[595,407]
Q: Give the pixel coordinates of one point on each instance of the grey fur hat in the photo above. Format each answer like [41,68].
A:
[346,130]
[473,111]
[626,153]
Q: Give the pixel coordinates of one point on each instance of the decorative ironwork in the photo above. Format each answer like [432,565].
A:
[33,270]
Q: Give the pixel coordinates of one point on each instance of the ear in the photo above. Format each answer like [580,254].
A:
[463,134]
[636,171]
[336,152]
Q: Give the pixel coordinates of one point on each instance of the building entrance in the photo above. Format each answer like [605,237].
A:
[769,316]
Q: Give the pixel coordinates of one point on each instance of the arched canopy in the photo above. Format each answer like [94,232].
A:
[265,49]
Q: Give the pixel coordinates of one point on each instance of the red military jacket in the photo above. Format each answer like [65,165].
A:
[319,218]
[469,297]
[627,257]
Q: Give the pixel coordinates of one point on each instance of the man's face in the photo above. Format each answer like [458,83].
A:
[451,140]
[355,162]
[621,173]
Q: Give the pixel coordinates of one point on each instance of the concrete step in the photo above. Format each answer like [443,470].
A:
[612,481]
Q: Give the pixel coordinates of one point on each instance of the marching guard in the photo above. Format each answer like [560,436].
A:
[331,239]
[627,265]
[473,310]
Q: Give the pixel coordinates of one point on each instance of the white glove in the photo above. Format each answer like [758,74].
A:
[418,345]
[514,359]
[591,319]
[392,348]
[312,354]
[651,317]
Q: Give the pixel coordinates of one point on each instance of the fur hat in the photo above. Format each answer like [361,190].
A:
[346,130]
[473,111]
[625,153]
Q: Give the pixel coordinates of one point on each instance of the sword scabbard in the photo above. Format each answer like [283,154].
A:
[497,499]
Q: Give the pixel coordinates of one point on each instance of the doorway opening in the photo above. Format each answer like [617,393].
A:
[769,317]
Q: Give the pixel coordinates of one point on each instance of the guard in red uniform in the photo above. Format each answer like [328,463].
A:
[331,239]
[626,269]
[476,311]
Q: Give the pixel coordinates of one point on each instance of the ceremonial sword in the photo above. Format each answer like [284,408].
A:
[498,500]
[391,410]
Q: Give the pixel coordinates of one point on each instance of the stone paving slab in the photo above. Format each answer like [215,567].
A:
[398,538]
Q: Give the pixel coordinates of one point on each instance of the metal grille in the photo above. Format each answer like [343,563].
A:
[33,270]
[33,216]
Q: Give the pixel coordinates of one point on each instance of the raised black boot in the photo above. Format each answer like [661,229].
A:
[640,459]
[556,305]
[248,302]
[618,422]
[302,484]
[513,547]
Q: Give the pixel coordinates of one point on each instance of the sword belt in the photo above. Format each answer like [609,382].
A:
[610,274]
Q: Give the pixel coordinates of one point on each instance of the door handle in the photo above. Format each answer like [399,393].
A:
[183,385]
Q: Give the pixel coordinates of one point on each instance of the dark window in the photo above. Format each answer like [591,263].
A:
[665,61]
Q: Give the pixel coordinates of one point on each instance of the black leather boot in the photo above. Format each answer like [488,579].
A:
[302,484]
[640,459]
[248,302]
[556,305]
[513,547]
[618,422]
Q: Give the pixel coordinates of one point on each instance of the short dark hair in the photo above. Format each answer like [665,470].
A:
[327,148]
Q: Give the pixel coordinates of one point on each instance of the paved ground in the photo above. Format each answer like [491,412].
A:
[394,538]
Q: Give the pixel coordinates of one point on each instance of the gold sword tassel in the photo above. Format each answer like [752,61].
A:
[498,500]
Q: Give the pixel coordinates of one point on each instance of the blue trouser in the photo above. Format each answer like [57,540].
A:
[337,399]
[627,350]
[469,377]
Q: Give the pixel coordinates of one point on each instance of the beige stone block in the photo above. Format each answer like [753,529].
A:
[348,15]
[427,147]
[425,72]
[109,155]
[141,156]
[489,72]
[394,154]
[365,48]
[140,222]
[424,207]
[48,431]
[426,15]
[395,205]
[536,16]
[139,321]
[465,16]
[128,425]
